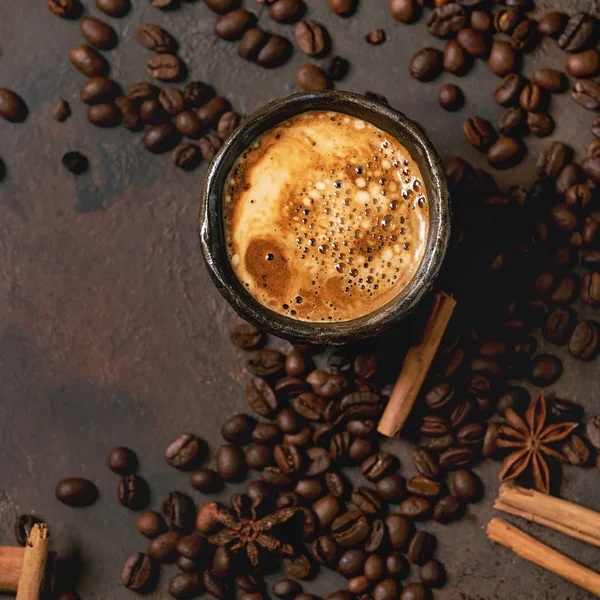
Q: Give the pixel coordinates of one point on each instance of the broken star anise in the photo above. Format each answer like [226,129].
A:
[243,530]
[529,440]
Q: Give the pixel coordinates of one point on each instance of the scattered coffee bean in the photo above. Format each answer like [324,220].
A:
[415,591]
[274,52]
[185,586]
[299,566]
[214,586]
[23,526]
[113,8]
[163,548]
[343,8]
[508,90]
[474,42]
[465,485]
[350,528]
[524,36]
[540,124]
[592,431]
[506,19]
[531,97]
[76,491]
[404,11]
[391,489]
[150,524]
[164,67]
[420,485]
[421,547]
[400,530]
[375,37]
[505,152]
[233,24]
[576,451]
[310,37]
[75,162]
[578,33]
[358,585]
[311,78]
[366,499]
[186,156]
[188,124]
[139,573]
[545,370]
[478,132]
[210,113]
[286,11]
[584,341]
[426,64]
[184,452]
[98,33]
[97,90]
[550,80]
[447,20]
[286,589]
[230,462]
[502,58]
[450,97]
[88,61]
[552,24]
[133,492]
[456,457]
[447,509]
[61,111]
[455,59]
[511,121]
[260,396]
[122,461]
[222,6]
[590,288]
[416,508]
[432,573]
[61,8]
[586,93]
[378,466]
[351,563]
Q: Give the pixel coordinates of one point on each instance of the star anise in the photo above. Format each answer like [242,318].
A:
[243,530]
[530,439]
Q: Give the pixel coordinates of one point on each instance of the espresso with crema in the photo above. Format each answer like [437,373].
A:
[325,217]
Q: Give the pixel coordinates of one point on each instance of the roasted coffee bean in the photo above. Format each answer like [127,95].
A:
[446,20]
[302,439]
[513,397]
[187,565]
[361,406]
[432,573]
[576,451]
[583,64]
[469,434]
[415,591]
[590,288]
[129,112]
[238,429]
[447,509]
[179,511]
[531,97]
[365,365]
[358,585]
[450,97]
[309,406]
[378,466]
[252,43]
[143,91]
[425,463]
[335,484]
[478,132]
[312,78]
[343,8]
[506,19]
[164,67]
[400,530]
[552,24]
[98,33]
[23,526]
[289,459]
[570,175]
[161,138]
[286,11]
[360,449]
[266,433]
[375,568]
[559,325]
[416,508]
[327,509]
[404,11]
[421,547]
[456,457]
[184,452]
[139,573]
[592,432]
[250,584]
[230,462]
[586,93]
[465,485]
[150,524]
[163,3]
[155,38]
[502,58]
[222,6]
[545,370]
[258,457]
[361,429]
[419,485]
[152,113]
[260,396]
[274,52]
[75,162]
[85,59]
[287,420]
[185,586]
[563,410]
[440,395]
[550,80]
[195,94]
[163,548]
[388,588]
[287,499]
[113,8]
[481,20]
[310,37]
[133,492]
[590,257]
[299,566]
[511,121]
[214,586]
[396,565]
[434,425]
[209,145]
[318,462]
[524,36]
[391,489]
[265,362]
[61,111]
[579,196]
[455,59]
[378,536]
[61,8]
[76,491]
[227,124]
[287,589]
[351,562]
[325,551]
[366,499]
[350,529]
[232,25]
[474,42]
[210,113]
[508,90]
[591,167]
[187,124]
[478,384]
[579,32]
[222,562]
[584,342]
[337,68]
[505,152]
[259,493]
[426,64]
[339,446]
[311,489]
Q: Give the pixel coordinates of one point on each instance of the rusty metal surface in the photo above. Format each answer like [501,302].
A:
[110,331]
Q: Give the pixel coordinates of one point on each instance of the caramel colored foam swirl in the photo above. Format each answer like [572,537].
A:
[326,217]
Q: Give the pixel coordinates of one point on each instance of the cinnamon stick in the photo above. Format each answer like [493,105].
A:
[33,572]
[574,520]
[524,545]
[11,563]
[416,364]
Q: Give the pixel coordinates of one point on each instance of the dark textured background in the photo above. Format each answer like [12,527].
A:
[110,330]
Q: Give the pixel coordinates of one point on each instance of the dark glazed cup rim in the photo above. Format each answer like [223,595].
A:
[211,230]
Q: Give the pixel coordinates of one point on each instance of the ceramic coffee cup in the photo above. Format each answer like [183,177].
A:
[212,235]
